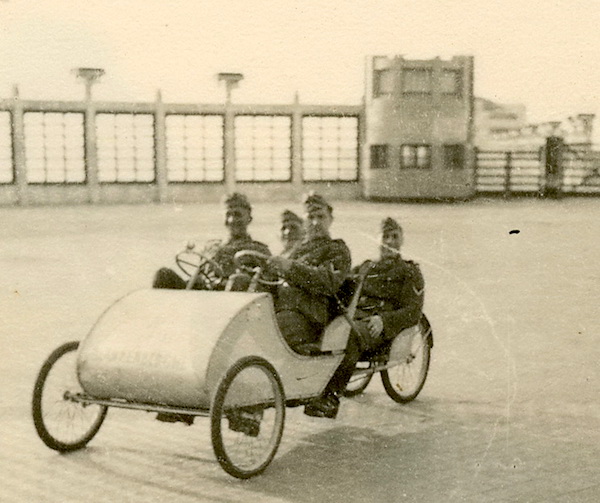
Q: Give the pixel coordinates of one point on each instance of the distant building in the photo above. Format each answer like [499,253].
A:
[418,128]
[504,127]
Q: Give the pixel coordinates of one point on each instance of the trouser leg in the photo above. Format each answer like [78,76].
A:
[296,329]
[342,375]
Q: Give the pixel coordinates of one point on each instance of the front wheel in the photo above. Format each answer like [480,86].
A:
[247,417]
[62,423]
[404,380]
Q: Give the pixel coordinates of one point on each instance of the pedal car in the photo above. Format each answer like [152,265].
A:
[213,353]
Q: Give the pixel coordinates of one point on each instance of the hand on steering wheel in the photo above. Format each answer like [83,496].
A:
[196,265]
[257,271]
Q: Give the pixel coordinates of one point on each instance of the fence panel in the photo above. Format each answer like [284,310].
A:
[195,148]
[526,174]
[54,147]
[581,171]
[330,149]
[125,147]
[7,172]
[263,148]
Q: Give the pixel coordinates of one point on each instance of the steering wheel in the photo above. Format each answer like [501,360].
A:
[196,265]
[257,271]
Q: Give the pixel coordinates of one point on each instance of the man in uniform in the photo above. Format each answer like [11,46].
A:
[237,219]
[292,231]
[391,300]
[313,272]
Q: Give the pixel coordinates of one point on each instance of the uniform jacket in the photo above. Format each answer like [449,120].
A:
[394,289]
[319,269]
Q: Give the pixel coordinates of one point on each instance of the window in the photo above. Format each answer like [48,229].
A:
[504,116]
[379,156]
[451,82]
[383,83]
[415,156]
[416,80]
[454,156]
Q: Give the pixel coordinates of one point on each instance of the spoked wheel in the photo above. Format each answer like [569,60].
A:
[359,381]
[247,417]
[404,381]
[62,423]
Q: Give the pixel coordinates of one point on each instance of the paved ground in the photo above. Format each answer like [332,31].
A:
[510,411]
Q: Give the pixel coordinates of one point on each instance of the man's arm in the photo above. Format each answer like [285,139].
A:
[324,279]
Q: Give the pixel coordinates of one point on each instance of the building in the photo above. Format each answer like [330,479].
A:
[504,127]
[419,128]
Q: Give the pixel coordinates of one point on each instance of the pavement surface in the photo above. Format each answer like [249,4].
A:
[510,411]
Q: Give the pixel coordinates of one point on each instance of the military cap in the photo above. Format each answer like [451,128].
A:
[238,200]
[312,200]
[389,224]
[290,217]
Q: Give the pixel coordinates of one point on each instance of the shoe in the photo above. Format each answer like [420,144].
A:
[326,406]
[168,417]
[245,421]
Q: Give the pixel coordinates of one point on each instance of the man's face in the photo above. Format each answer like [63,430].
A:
[291,232]
[317,222]
[237,220]
[391,241]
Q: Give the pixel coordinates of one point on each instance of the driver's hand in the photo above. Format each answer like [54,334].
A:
[375,324]
[280,264]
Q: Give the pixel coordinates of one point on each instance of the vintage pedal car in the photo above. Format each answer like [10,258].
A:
[217,354]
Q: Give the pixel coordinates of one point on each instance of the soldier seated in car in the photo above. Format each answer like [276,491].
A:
[391,300]
[313,272]
[292,231]
[238,216]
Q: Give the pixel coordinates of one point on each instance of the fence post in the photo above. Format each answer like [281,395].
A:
[297,146]
[18,141]
[91,152]
[475,169]
[553,166]
[160,149]
[229,148]
[507,169]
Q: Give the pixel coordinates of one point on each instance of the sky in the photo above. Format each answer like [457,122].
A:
[543,54]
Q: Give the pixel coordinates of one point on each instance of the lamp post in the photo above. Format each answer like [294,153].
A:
[90,76]
[231,80]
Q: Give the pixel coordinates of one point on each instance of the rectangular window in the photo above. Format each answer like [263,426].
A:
[454,156]
[416,80]
[379,156]
[451,82]
[383,83]
[415,156]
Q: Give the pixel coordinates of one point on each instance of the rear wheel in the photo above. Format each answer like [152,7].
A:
[62,423]
[247,417]
[359,380]
[404,380]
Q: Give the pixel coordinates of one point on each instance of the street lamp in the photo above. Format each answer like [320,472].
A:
[90,76]
[231,82]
